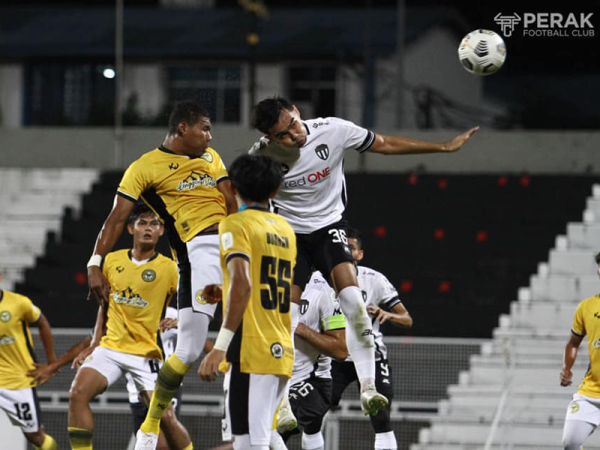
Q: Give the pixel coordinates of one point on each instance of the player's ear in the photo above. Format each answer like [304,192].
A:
[361,255]
[295,109]
[182,128]
[130,228]
[161,230]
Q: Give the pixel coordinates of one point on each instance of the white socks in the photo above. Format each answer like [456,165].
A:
[385,441]
[313,441]
[359,334]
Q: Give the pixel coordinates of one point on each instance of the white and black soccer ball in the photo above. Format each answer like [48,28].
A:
[482,52]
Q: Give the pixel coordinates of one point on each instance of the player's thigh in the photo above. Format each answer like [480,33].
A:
[204,269]
[98,372]
[143,371]
[383,378]
[304,266]
[575,433]
[584,409]
[342,375]
[310,400]
[22,408]
[331,251]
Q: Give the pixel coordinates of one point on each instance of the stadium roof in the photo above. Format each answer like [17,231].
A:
[217,33]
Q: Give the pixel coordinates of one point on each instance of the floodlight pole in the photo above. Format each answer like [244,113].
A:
[119,79]
[400,63]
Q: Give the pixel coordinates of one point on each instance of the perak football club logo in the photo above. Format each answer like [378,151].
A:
[277,350]
[5,316]
[148,275]
[322,151]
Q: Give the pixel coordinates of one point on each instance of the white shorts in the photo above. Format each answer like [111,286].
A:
[584,408]
[113,364]
[253,402]
[199,268]
[226,420]
[22,408]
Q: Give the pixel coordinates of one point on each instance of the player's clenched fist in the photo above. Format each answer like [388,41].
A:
[566,377]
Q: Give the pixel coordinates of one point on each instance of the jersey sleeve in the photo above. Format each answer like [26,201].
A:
[578,328]
[220,169]
[331,315]
[387,295]
[31,313]
[355,137]
[135,181]
[234,241]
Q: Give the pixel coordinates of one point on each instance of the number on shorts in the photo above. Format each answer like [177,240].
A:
[339,236]
[385,369]
[23,411]
[153,366]
[305,389]
[275,273]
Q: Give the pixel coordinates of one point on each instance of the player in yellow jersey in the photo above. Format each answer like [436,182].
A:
[583,413]
[17,388]
[258,254]
[185,182]
[142,283]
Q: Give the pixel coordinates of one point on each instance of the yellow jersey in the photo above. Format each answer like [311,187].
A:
[262,344]
[181,190]
[139,295]
[17,312]
[587,322]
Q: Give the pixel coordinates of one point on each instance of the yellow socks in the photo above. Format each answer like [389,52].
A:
[169,379]
[189,447]
[78,438]
[49,444]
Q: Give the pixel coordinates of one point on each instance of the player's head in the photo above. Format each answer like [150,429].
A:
[255,178]
[190,123]
[145,227]
[355,243]
[280,121]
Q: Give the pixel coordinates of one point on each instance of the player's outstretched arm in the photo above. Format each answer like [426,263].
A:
[400,145]
[224,188]
[107,238]
[398,316]
[569,357]
[331,343]
[43,372]
[46,338]
[239,296]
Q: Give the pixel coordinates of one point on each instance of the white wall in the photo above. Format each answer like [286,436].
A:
[11,95]
[487,152]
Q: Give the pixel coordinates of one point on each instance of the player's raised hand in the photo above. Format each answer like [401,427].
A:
[43,372]
[455,144]
[566,377]
[212,293]
[99,286]
[167,324]
[378,313]
[209,367]
[80,359]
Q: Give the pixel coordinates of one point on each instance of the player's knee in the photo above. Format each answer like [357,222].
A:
[188,356]
[36,438]
[79,393]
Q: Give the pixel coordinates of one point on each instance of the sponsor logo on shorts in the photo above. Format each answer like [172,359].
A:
[148,275]
[200,298]
[88,359]
[277,350]
[5,316]
[573,407]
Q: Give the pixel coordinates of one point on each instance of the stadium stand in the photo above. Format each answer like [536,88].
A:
[511,396]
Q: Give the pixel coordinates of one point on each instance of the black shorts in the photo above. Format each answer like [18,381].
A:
[321,250]
[310,400]
[344,373]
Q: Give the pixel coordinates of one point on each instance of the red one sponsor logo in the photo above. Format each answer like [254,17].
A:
[312,178]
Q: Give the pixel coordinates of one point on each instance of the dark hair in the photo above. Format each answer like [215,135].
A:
[255,177]
[140,209]
[266,113]
[189,111]
[598,258]
[353,233]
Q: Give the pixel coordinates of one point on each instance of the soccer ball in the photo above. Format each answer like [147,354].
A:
[482,52]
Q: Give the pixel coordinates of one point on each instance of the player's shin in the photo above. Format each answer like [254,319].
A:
[169,378]
[80,439]
[359,334]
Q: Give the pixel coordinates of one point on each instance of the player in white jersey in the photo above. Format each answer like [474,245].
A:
[319,337]
[312,198]
[383,305]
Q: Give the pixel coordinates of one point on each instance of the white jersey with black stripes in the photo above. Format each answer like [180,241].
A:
[313,192]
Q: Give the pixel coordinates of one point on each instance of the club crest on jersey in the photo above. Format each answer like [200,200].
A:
[148,275]
[596,343]
[303,306]
[208,157]
[5,316]
[277,350]
[322,151]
